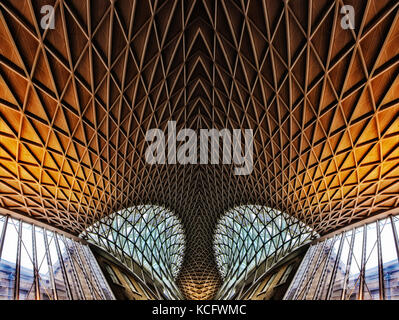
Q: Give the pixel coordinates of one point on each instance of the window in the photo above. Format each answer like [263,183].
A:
[358,264]
[250,236]
[36,263]
[286,274]
[130,284]
[112,274]
[268,284]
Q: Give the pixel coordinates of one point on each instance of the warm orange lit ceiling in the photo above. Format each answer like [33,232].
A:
[76,102]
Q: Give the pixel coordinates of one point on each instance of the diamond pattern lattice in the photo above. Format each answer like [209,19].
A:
[150,235]
[76,101]
[249,236]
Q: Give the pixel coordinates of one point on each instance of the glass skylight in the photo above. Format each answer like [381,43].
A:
[250,235]
[150,235]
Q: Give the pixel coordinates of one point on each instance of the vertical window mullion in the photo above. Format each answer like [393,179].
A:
[348,265]
[50,265]
[311,252]
[380,265]
[74,272]
[82,267]
[307,276]
[35,264]
[363,264]
[315,268]
[100,274]
[334,271]
[3,235]
[322,279]
[395,236]
[18,262]
[91,270]
[64,273]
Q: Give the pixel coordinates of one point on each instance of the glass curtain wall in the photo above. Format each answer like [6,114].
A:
[248,236]
[38,264]
[149,235]
[360,264]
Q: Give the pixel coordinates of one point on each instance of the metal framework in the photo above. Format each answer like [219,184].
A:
[249,236]
[38,264]
[360,264]
[77,100]
[149,235]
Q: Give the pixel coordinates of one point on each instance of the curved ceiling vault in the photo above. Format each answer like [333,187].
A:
[77,100]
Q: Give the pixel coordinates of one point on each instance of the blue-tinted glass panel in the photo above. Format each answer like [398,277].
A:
[34,265]
[44,276]
[364,266]
[371,285]
[390,261]
[353,284]
[8,261]
[27,276]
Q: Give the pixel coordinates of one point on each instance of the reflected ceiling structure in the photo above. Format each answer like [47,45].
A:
[77,100]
